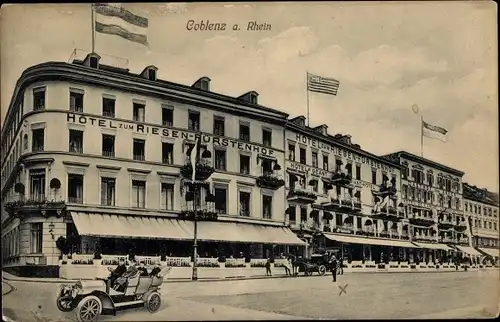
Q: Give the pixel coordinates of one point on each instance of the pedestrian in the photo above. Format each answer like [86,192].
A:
[287,266]
[268,267]
[341,266]
[333,267]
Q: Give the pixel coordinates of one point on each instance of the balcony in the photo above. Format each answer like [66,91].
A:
[446,240]
[463,241]
[345,229]
[315,226]
[389,211]
[366,231]
[203,171]
[341,179]
[342,205]
[35,205]
[461,226]
[384,234]
[445,222]
[424,238]
[420,219]
[269,181]
[301,196]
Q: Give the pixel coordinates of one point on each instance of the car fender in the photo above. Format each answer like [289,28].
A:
[107,303]
[145,295]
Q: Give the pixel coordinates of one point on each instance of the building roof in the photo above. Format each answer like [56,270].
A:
[396,157]
[480,195]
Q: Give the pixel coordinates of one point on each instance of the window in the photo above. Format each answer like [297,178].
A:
[108,107]
[315,159]
[108,188]
[38,99]
[221,200]
[349,169]
[108,145]
[93,62]
[244,132]
[244,164]
[302,155]
[267,137]
[194,121]
[139,112]
[167,151]
[325,162]
[303,214]
[167,116]
[167,196]
[204,85]
[267,207]
[244,204]
[358,172]
[75,188]
[466,206]
[374,176]
[267,168]
[495,225]
[315,185]
[138,194]
[152,74]
[37,184]
[220,160]
[36,238]
[291,152]
[219,125]
[76,102]
[490,225]
[38,140]
[430,179]
[404,172]
[75,141]
[139,149]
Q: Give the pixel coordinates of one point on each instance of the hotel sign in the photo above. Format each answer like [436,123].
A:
[308,169]
[167,132]
[343,153]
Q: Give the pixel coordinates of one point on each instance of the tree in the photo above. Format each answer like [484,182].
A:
[62,245]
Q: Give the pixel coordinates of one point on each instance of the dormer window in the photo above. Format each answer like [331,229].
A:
[250,97]
[204,85]
[253,98]
[93,62]
[152,74]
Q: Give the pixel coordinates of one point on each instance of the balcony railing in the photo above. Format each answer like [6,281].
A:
[139,157]
[269,181]
[108,113]
[302,196]
[446,239]
[341,179]
[75,199]
[346,229]
[109,154]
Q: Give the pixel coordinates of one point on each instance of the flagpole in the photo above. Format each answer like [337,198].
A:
[307,90]
[422,136]
[93,25]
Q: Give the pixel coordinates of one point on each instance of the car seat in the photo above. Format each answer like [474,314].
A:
[132,283]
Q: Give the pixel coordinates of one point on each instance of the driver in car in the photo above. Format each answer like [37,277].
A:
[118,271]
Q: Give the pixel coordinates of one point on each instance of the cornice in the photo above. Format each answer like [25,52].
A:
[427,162]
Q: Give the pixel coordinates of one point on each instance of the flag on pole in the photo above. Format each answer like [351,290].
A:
[193,153]
[115,20]
[433,132]
[323,85]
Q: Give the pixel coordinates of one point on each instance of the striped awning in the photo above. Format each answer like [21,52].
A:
[369,241]
[494,252]
[468,250]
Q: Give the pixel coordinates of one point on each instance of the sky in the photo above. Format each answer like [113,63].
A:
[388,57]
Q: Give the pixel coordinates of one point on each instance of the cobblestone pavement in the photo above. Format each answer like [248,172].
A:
[366,296]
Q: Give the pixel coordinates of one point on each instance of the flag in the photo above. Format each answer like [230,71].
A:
[115,20]
[322,84]
[433,132]
[194,152]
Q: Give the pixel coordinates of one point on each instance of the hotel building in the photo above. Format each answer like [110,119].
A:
[340,197]
[481,207]
[97,154]
[433,206]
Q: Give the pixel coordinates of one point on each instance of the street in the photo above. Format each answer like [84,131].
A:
[354,296]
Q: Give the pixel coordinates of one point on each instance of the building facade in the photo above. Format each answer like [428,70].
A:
[340,197]
[481,207]
[100,153]
[433,203]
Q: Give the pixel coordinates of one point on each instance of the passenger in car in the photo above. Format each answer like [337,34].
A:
[143,269]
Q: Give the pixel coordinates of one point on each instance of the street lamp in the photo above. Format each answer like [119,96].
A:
[203,171]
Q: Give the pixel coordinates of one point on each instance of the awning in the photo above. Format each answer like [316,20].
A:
[369,241]
[468,250]
[433,246]
[111,225]
[490,251]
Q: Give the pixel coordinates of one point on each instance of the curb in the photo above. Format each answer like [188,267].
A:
[11,288]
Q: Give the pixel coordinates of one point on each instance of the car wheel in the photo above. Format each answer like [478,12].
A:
[322,270]
[153,302]
[64,303]
[88,309]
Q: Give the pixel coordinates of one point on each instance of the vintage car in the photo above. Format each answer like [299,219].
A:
[91,298]
[316,263]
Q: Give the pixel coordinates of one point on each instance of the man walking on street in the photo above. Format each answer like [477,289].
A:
[333,266]
[341,265]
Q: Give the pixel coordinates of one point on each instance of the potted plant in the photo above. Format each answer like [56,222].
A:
[62,245]
[97,255]
[163,253]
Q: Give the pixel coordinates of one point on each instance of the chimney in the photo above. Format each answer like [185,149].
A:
[203,83]
[150,72]
[92,60]
[250,97]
